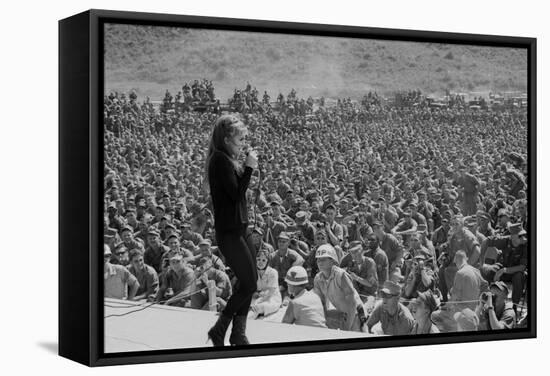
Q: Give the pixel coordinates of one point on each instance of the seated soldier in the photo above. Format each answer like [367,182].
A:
[283,259]
[394,317]
[118,282]
[511,262]
[205,251]
[362,270]
[145,274]
[205,272]
[494,312]
[180,279]
[422,308]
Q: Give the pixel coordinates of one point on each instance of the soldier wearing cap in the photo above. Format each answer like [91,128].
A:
[169,230]
[316,215]
[131,219]
[160,211]
[115,220]
[173,242]
[342,304]
[418,217]
[484,224]
[422,308]
[255,240]
[331,198]
[394,317]
[420,275]
[494,312]
[305,307]
[180,278]
[362,270]
[271,194]
[283,259]
[440,235]
[305,227]
[405,227]
[205,252]
[282,187]
[204,272]
[128,239]
[357,226]
[278,215]
[155,250]
[188,234]
[512,262]
[110,235]
[275,223]
[385,213]
[503,221]
[145,274]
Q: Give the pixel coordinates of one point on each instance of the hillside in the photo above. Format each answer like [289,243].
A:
[153,59]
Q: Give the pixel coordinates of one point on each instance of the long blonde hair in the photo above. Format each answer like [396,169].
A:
[225,126]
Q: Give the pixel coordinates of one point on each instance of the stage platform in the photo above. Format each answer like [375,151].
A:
[160,327]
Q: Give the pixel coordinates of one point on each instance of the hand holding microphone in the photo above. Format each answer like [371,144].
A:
[251,158]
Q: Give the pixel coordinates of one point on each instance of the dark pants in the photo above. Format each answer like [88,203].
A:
[242,262]
[517,279]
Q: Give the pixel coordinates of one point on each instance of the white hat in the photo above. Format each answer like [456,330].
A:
[296,276]
[326,250]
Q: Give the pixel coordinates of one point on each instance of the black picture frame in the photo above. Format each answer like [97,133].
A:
[80,181]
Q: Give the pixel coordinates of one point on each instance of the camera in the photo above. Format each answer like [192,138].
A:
[485,298]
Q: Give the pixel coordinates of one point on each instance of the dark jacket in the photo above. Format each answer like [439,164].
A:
[228,193]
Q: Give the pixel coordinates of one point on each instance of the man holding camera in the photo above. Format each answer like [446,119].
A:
[420,278]
[493,311]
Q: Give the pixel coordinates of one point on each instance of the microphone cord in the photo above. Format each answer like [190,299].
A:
[257,195]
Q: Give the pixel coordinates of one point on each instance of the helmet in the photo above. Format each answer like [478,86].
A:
[326,250]
[296,276]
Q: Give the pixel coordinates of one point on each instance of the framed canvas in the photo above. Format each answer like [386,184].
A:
[262,187]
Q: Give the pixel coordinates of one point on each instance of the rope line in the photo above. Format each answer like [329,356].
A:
[443,303]
[126,305]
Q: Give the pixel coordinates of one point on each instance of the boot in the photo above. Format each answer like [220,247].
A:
[217,333]
[238,336]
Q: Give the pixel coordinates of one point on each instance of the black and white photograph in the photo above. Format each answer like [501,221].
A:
[264,188]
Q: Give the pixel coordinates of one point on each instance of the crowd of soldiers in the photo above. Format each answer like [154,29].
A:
[364,216]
